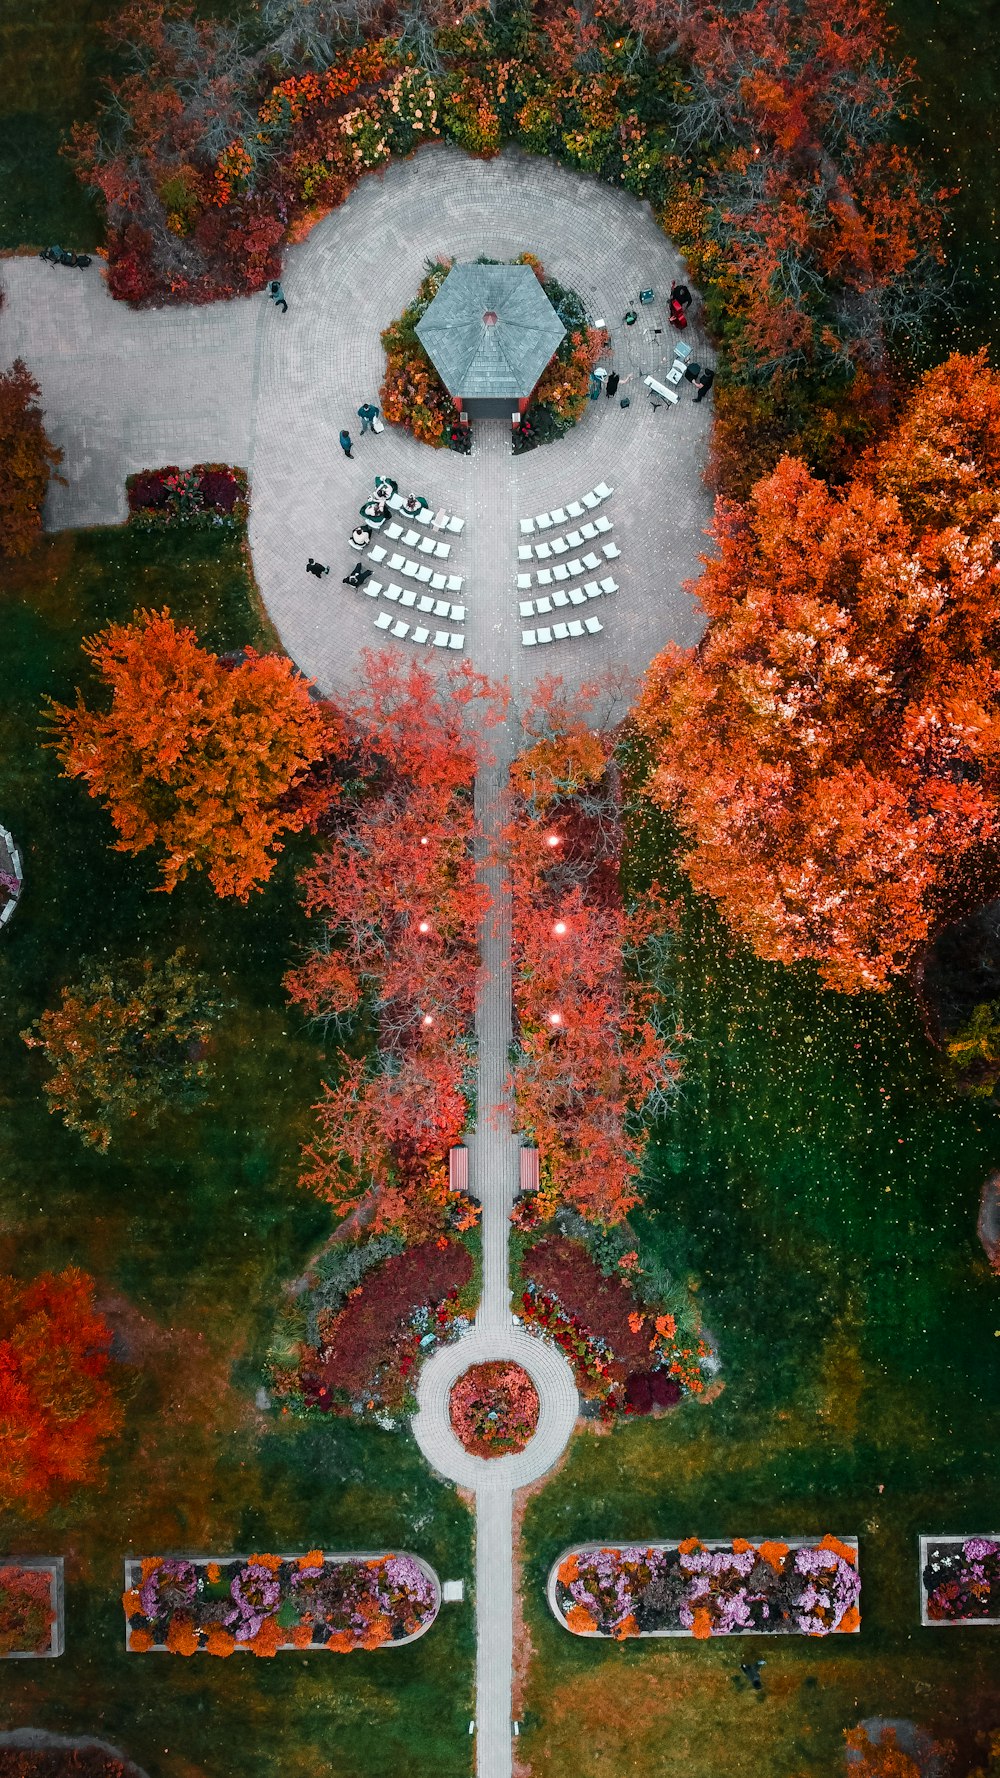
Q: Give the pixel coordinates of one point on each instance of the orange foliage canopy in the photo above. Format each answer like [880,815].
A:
[195,752]
[56,1404]
[832,749]
[883,1758]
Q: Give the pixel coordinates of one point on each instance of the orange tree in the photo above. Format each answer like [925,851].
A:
[412,393]
[832,748]
[56,1403]
[195,753]
[27,460]
[592,1059]
[397,903]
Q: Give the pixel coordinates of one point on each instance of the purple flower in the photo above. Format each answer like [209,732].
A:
[172,1583]
[975,1548]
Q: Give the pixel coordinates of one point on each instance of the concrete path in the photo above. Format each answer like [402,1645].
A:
[239,382]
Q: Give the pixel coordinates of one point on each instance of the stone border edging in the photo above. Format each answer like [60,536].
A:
[57,1596]
[557,1412]
[332,1558]
[38,1740]
[7,911]
[653,1543]
[952,1623]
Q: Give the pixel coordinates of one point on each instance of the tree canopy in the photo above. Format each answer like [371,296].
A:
[27,460]
[195,753]
[831,750]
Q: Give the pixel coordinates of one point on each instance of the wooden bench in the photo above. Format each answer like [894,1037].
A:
[529,1169]
[458,1169]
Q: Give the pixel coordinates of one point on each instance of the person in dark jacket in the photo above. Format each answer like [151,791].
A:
[681,294]
[704,383]
[612,384]
[345,442]
[692,372]
[316,568]
[358,575]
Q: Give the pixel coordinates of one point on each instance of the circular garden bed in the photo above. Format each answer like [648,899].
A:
[494,1409]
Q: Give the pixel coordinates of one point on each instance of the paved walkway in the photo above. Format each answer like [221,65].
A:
[240,382]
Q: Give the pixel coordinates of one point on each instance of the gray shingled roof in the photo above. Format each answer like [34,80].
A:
[476,359]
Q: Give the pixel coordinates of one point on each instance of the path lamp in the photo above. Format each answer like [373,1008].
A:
[560,929]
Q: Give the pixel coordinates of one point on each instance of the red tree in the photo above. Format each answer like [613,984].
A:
[56,1404]
[832,749]
[27,460]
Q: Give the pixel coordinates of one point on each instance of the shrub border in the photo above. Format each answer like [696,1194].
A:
[57,1595]
[133,1580]
[956,1623]
[654,1543]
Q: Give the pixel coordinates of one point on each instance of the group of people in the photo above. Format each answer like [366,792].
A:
[370,417]
[373,515]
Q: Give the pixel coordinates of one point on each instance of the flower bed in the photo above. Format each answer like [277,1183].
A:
[186,1606]
[959,1581]
[802,1587]
[208,494]
[10,876]
[625,1354]
[31,1609]
[494,1409]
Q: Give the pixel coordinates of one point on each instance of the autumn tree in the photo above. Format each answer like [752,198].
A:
[594,1060]
[831,750]
[125,1043]
[28,460]
[882,1756]
[195,753]
[397,902]
[56,1403]
[815,224]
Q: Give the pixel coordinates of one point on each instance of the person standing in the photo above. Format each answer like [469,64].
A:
[278,296]
[681,294]
[704,383]
[345,443]
[367,413]
[613,382]
[316,568]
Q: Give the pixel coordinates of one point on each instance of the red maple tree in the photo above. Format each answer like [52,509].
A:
[195,753]
[56,1403]
[832,748]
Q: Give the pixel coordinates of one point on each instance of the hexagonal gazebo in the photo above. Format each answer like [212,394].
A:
[489,333]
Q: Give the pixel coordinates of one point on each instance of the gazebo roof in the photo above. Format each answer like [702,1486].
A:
[490,331]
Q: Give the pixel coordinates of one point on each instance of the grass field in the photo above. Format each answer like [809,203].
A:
[190,1232]
[823,1187]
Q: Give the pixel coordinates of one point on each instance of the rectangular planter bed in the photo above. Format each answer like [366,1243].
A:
[266,1604]
[32,1608]
[960,1581]
[797,1586]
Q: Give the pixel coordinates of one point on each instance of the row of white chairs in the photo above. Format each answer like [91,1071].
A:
[439,583]
[578,596]
[559,546]
[413,600]
[591,626]
[426,546]
[400,630]
[438,521]
[544,521]
[568,570]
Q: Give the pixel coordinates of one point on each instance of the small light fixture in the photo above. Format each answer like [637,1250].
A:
[560,928]
[425,841]
[427,1019]
[424,926]
[553,839]
[555,1018]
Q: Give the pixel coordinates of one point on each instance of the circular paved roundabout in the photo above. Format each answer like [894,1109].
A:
[558,1406]
[316,365]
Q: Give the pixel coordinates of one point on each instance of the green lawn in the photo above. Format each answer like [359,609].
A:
[823,1186]
[190,1232]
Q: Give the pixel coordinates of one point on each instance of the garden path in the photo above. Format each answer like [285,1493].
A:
[242,383]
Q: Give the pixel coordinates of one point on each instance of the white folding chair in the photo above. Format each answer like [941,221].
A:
[408,596]
[602,491]
[454,583]
[440,519]
[439,582]
[527,527]
[425,546]
[574,509]
[591,500]
[456,526]
[593,626]
[424,575]
[420,634]
[457,614]
[383,620]
[440,638]
[399,629]
[574,539]
[576,596]
[559,515]
[544,577]
[528,638]
[411,538]
[442,551]
[377,553]
[560,632]
[592,589]
[395,562]
[455,641]
[575,627]
[526,608]
[543,520]
[588,531]
[542,551]
[559,597]
[574,567]
[393,591]
[610,550]
[371,589]
[393,531]
[544,634]
[542,605]
[560,547]
[425,603]
[561,571]
[591,561]
[603,525]
[609,585]
[523,582]
[524,552]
